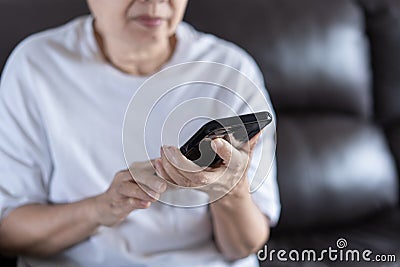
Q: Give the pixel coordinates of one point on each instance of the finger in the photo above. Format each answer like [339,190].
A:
[171,171]
[227,152]
[187,178]
[141,192]
[153,163]
[126,205]
[160,171]
[175,157]
[145,176]
[135,203]
[123,175]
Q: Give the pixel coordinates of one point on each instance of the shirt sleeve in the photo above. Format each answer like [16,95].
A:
[262,173]
[25,163]
[263,184]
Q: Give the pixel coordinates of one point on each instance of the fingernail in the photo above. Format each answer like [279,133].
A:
[144,203]
[156,196]
[161,187]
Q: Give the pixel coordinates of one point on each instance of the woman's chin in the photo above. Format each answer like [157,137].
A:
[149,34]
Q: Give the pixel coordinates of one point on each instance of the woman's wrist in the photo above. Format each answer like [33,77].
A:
[240,193]
[91,210]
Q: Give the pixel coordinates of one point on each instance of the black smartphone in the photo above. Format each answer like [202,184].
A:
[237,130]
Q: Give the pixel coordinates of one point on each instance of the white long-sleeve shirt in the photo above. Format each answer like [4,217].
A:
[62,109]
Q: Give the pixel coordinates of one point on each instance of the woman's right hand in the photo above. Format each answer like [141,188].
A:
[126,194]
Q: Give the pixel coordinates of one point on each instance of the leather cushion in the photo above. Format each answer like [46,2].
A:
[21,18]
[332,169]
[313,53]
[383,27]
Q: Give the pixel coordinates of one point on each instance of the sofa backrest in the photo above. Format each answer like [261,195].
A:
[383,20]
[334,159]
[20,18]
[296,45]
[335,133]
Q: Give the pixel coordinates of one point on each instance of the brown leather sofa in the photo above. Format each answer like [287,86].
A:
[332,69]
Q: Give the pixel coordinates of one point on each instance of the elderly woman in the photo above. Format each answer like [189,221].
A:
[66,196]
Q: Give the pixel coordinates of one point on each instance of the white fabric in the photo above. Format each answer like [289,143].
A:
[61,114]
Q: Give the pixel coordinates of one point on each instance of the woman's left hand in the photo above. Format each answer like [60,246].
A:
[176,168]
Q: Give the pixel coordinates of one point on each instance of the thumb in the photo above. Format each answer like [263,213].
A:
[226,151]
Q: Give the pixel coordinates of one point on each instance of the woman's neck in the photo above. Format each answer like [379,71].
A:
[136,60]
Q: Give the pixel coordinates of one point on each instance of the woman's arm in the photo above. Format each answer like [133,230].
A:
[240,228]
[43,230]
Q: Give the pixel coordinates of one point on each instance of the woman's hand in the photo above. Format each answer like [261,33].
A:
[44,230]
[127,193]
[176,168]
[239,227]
